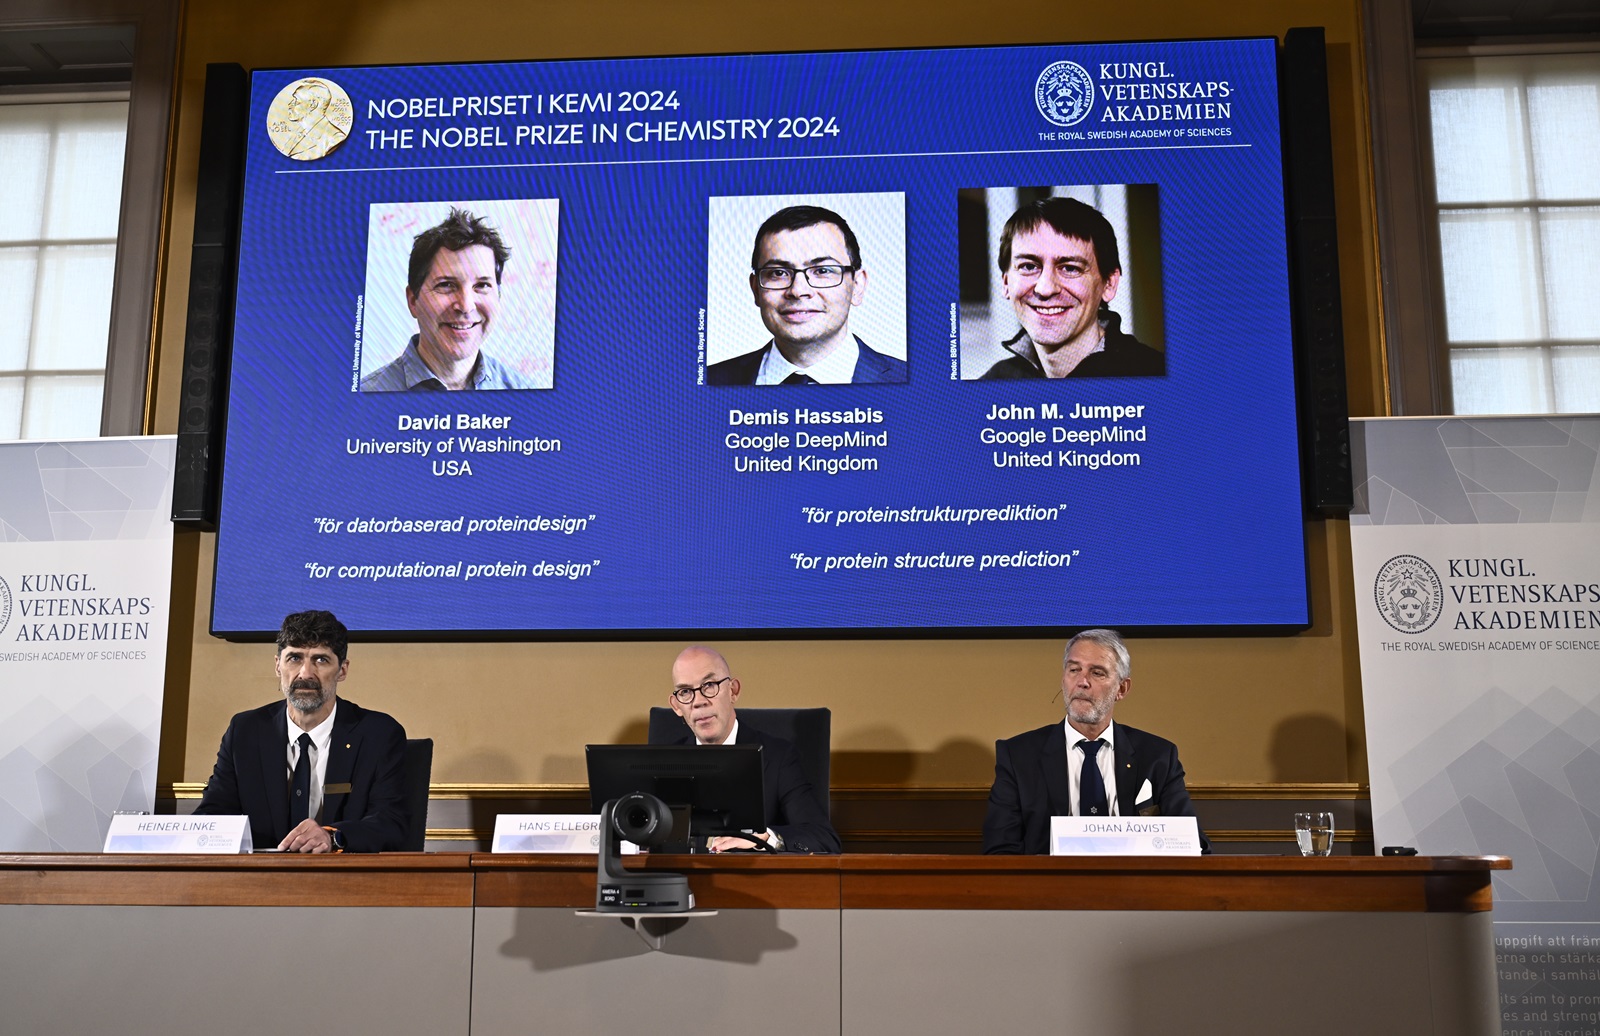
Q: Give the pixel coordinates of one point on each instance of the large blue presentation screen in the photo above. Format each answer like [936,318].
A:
[983,339]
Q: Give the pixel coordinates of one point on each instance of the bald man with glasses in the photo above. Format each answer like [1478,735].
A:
[704,694]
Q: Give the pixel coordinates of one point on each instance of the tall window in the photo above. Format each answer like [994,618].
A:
[61,165]
[1516,154]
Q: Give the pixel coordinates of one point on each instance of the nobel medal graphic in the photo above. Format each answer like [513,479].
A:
[1408,593]
[1064,93]
[309,119]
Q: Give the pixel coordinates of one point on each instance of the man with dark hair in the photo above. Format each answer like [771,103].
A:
[1087,765]
[313,773]
[806,276]
[453,289]
[1060,267]
[704,693]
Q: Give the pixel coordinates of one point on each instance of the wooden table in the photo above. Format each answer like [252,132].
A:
[458,942]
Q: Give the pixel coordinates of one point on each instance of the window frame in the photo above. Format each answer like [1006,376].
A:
[96,94]
[127,403]
[1414,352]
[1532,210]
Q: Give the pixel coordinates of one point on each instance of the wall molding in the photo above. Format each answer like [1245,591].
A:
[469,834]
[855,792]
[1234,814]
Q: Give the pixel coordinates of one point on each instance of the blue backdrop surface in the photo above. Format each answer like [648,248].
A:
[630,497]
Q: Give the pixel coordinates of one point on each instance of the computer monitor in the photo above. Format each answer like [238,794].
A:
[712,789]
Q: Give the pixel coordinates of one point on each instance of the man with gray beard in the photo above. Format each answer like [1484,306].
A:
[313,773]
[1086,765]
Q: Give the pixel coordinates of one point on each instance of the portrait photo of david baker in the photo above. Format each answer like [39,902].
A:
[469,322]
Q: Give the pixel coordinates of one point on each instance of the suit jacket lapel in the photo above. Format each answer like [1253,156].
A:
[1127,773]
[1058,789]
[342,748]
[868,369]
[274,761]
[769,770]
[748,373]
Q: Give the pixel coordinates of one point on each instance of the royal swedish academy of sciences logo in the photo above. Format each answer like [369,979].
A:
[1064,93]
[5,604]
[1408,593]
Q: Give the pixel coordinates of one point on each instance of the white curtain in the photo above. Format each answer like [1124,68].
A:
[62,169]
[1516,151]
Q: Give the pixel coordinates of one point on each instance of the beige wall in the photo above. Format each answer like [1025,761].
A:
[911,712]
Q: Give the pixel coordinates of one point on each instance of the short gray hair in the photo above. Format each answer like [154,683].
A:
[1112,641]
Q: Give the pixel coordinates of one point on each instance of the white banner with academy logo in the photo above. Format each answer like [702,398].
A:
[85,578]
[1476,546]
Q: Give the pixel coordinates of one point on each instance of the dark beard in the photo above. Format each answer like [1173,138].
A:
[304,704]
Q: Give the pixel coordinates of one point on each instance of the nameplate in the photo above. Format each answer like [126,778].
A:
[1124,836]
[149,834]
[549,833]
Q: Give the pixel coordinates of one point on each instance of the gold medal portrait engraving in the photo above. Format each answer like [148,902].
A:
[309,119]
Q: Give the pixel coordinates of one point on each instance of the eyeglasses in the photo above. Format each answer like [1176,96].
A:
[829,275]
[708,690]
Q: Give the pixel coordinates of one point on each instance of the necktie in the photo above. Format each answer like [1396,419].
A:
[1091,788]
[300,788]
[799,379]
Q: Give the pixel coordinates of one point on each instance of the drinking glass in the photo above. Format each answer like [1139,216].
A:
[1314,832]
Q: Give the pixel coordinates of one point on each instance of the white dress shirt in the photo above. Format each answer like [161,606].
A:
[1106,757]
[321,735]
[836,368]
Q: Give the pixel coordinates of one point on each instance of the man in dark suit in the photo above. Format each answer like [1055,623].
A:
[313,773]
[704,693]
[1087,765]
[806,276]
